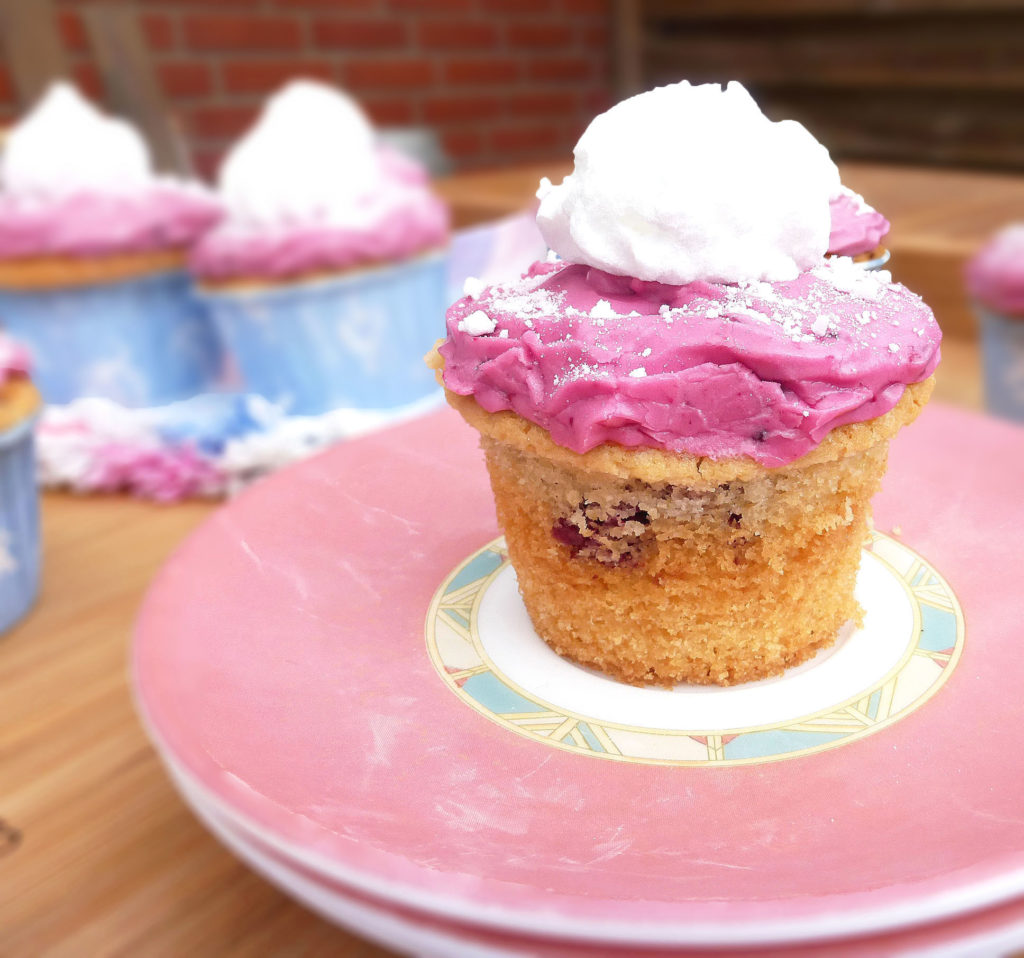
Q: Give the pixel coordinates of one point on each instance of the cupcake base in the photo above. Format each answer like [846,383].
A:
[663,568]
[354,339]
[110,329]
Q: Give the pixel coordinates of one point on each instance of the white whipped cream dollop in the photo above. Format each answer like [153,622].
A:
[66,145]
[310,157]
[688,183]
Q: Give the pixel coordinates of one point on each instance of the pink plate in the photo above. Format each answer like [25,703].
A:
[994,931]
[280,661]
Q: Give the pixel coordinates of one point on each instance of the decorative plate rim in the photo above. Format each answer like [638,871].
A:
[716,756]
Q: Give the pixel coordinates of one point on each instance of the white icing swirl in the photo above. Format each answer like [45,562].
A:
[688,183]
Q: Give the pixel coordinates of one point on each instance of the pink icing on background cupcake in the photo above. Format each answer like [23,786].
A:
[308,189]
[856,227]
[15,361]
[995,276]
[74,182]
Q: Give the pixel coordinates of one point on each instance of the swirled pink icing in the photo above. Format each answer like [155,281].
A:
[856,227]
[759,370]
[400,219]
[96,223]
[995,276]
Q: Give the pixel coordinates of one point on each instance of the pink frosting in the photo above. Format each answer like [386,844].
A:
[400,220]
[856,227]
[15,360]
[166,216]
[764,370]
[995,276]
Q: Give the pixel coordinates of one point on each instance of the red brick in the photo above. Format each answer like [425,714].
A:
[158,31]
[72,31]
[6,86]
[431,6]
[333,6]
[454,109]
[561,68]
[595,35]
[389,73]
[263,76]
[538,35]
[185,79]
[360,34]
[457,35]
[190,3]
[87,78]
[553,103]
[530,138]
[587,8]
[220,122]
[522,7]
[207,162]
[489,70]
[462,143]
[597,101]
[242,33]
[389,111]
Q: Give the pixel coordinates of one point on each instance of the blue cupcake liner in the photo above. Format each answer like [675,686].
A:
[140,342]
[19,523]
[356,340]
[1002,352]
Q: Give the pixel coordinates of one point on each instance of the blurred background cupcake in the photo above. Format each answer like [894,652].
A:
[92,252]
[857,230]
[19,501]
[995,281]
[327,277]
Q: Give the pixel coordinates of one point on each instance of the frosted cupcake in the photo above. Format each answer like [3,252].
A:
[857,230]
[19,503]
[685,419]
[995,281]
[327,277]
[92,252]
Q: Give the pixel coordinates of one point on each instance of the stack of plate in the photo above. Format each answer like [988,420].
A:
[339,675]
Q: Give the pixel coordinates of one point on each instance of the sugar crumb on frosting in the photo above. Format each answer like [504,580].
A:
[473,287]
[477,323]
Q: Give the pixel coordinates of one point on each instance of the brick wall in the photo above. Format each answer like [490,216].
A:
[501,80]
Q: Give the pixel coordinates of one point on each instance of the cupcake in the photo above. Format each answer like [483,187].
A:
[857,230]
[92,254]
[327,276]
[684,419]
[995,281]
[19,503]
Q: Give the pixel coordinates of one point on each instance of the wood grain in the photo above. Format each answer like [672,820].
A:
[900,80]
[109,860]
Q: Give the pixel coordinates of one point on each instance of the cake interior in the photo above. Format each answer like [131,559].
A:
[666,582]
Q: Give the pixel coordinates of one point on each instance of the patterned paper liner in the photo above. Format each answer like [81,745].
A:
[356,340]
[138,342]
[19,524]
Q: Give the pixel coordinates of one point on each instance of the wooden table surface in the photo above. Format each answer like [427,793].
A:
[98,856]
